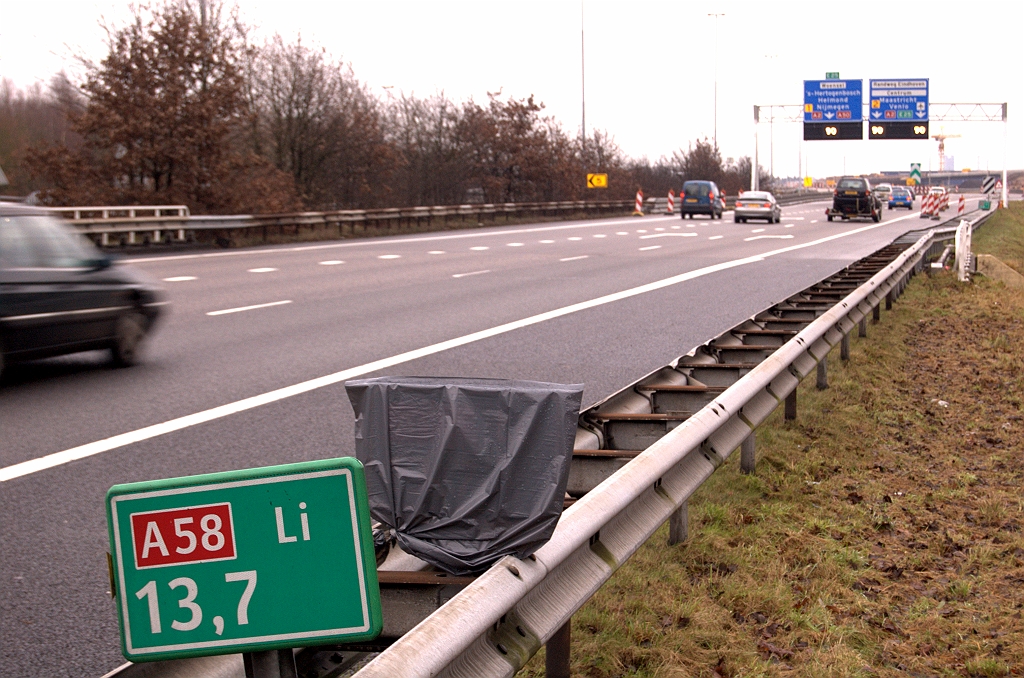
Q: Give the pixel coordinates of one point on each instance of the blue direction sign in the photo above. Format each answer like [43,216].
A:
[905,99]
[833,100]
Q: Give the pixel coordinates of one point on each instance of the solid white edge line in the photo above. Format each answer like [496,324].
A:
[249,308]
[89,449]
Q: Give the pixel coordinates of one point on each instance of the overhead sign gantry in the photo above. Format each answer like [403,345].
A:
[832,109]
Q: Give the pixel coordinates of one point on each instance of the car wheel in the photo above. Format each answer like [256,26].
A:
[830,217]
[128,333]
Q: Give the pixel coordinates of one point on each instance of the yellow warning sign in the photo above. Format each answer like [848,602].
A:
[808,182]
[597,181]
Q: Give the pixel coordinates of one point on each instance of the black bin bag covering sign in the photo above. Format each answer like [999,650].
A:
[465,470]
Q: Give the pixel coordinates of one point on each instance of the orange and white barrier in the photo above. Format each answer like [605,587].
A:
[638,210]
[961,206]
[945,201]
[671,201]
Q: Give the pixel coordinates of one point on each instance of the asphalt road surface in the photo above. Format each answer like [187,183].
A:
[247,368]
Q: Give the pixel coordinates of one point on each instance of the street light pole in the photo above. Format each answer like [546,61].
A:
[716,15]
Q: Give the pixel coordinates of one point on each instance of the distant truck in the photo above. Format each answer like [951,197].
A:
[853,198]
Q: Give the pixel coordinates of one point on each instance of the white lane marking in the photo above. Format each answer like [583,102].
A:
[547,242]
[403,240]
[331,262]
[463,275]
[716,237]
[668,235]
[758,230]
[481,248]
[641,230]
[180,278]
[262,270]
[788,226]
[691,225]
[764,237]
[390,256]
[249,308]
[659,229]
[650,247]
[147,432]
[798,218]
[575,238]
[600,235]
[436,252]
[582,256]
[621,232]
[814,221]
[675,227]
[514,244]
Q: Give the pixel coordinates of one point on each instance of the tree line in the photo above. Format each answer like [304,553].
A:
[187,109]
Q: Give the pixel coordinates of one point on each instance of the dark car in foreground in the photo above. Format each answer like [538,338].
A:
[701,197]
[59,294]
[854,198]
[757,205]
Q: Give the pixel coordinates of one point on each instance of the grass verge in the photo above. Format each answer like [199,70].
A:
[1003,236]
[881,534]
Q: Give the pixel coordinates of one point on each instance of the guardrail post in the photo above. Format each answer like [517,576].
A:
[844,347]
[888,300]
[876,313]
[679,525]
[556,657]
[270,664]
[822,382]
[748,459]
[862,327]
[791,406]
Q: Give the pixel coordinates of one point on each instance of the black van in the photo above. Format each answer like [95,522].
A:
[59,294]
[701,197]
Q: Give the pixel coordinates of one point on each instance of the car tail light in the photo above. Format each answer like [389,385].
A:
[767,204]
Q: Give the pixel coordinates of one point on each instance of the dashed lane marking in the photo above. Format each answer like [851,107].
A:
[650,247]
[464,275]
[249,308]
[180,278]
[262,270]
[582,256]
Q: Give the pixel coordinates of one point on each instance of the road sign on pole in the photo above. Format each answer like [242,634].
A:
[915,172]
[244,561]
[597,181]
[895,99]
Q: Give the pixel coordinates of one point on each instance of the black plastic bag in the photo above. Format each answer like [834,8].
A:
[465,470]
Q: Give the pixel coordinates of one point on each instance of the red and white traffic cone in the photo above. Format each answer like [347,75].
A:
[927,203]
[671,201]
[945,201]
[638,209]
[961,205]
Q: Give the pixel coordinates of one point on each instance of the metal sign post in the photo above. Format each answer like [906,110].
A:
[244,561]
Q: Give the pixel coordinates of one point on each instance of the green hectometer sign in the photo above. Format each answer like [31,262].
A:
[247,560]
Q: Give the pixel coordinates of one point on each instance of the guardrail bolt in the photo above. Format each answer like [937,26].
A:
[679,525]
[791,406]
[862,327]
[556,658]
[844,347]
[822,382]
[748,459]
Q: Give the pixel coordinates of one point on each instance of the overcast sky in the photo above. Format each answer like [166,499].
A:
[650,66]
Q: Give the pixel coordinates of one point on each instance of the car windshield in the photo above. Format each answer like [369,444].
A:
[696,190]
[754,195]
[40,241]
[851,185]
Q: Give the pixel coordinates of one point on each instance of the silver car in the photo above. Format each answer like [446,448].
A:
[757,205]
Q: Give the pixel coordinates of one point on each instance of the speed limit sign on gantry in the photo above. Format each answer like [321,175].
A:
[243,561]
